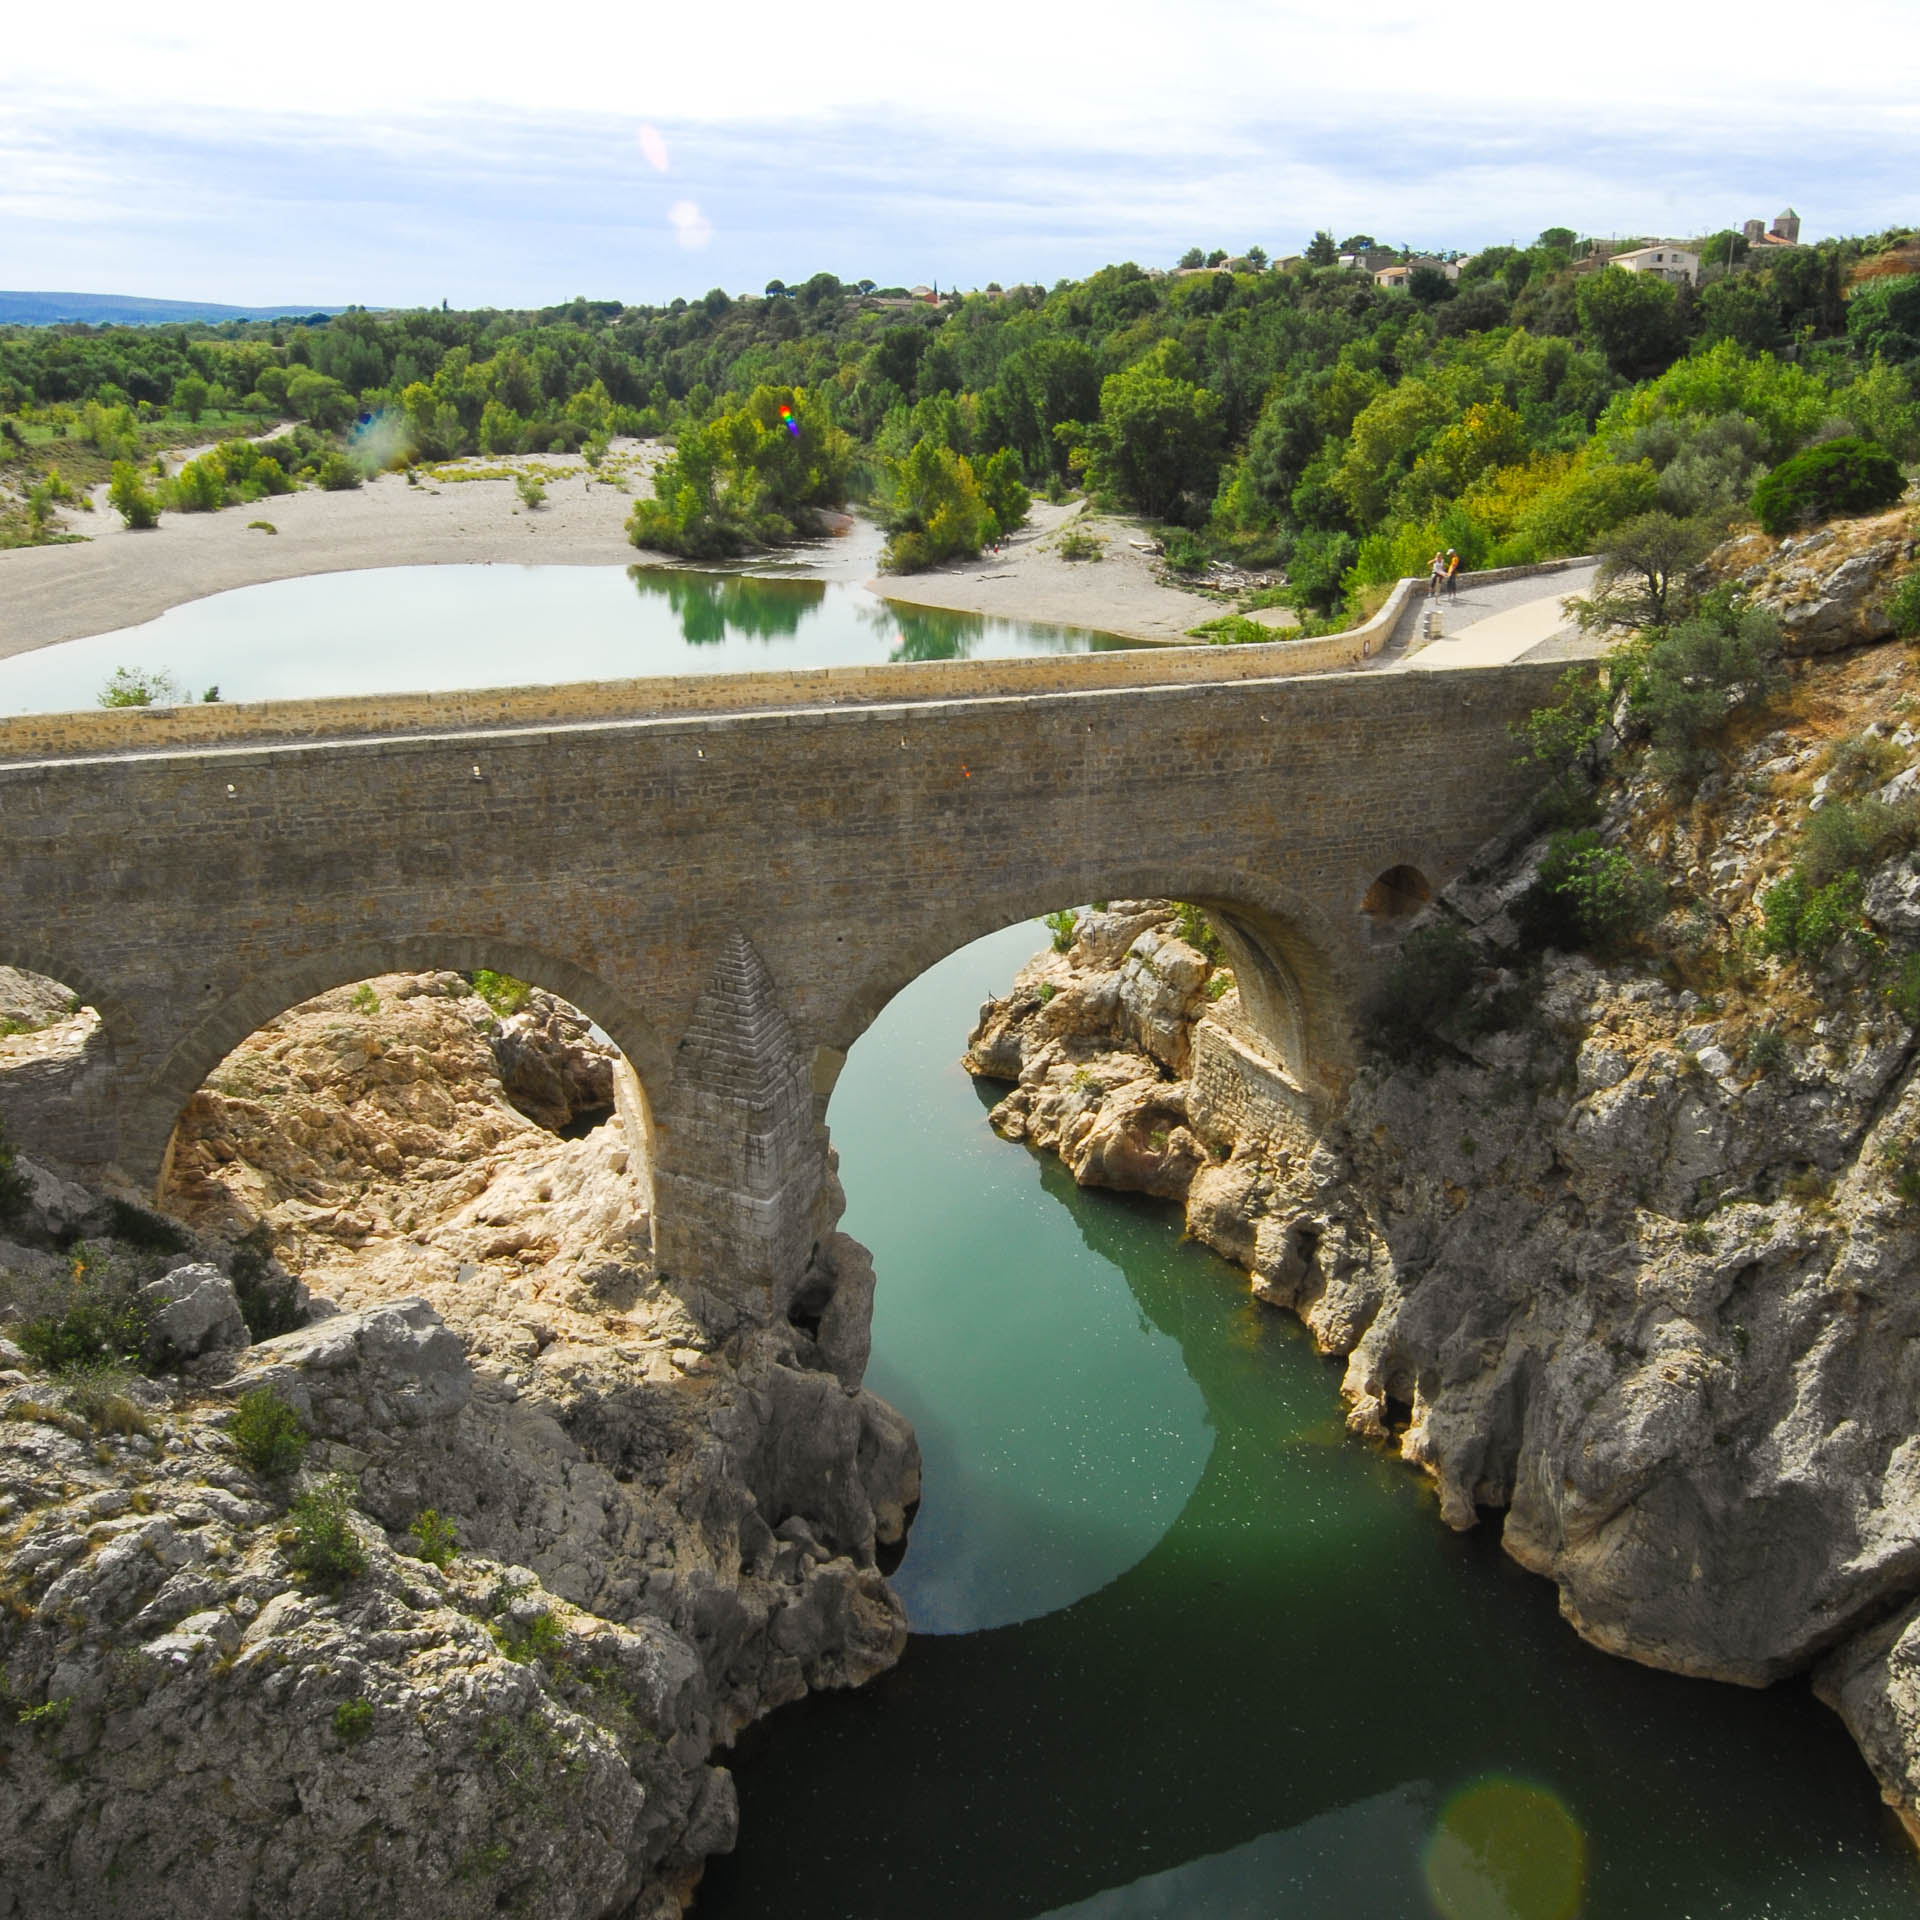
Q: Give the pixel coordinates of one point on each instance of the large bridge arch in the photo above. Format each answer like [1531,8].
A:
[148,1128]
[1300,975]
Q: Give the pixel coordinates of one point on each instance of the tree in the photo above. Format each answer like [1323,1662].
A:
[1358,243]
[1256,258]
[129,497]
[1560,239]
[1217,258]
[1193,257]
[190,394]
[1644,560]
[319,400]
[1159,434]
[1429,286]
[1633,320]
[1321,252]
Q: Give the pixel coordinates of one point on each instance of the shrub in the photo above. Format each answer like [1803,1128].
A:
[1234,630]
[1567,742]
[1854,834]
[1688,681]
[501,991]
[325,1547]
[1766,1050]
[435,1540]
[1903,607]
[528,486]
[337,474]
[1804,919]
[1061,926]
[539,1638]
[1847,475]
[267,1434]
[1183,552]
[1587,895]
[1196,930]
[1076,545]
[136,687]
[353,1721]
[365,1000]
[130,499]
[1425,991]
[101,1321]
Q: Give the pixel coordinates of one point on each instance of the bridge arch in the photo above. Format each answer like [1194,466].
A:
[1296,972]
[118,1025]
[148,1132]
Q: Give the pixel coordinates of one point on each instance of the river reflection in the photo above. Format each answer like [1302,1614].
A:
[423,629]
[1296,1693]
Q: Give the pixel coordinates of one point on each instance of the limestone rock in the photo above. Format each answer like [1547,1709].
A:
[1830,587]
[553,1068]
[191,1311]
[30,1001]
[353,1374]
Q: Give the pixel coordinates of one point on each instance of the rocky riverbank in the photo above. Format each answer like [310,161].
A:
[1624,1253]
[659,1529]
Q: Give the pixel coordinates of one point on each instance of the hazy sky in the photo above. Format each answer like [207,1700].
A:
[397,154]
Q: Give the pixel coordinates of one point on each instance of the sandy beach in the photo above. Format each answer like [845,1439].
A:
[116,578]
[1030,580]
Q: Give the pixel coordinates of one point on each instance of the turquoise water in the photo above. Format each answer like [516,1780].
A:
[425,629]
[1185,1648]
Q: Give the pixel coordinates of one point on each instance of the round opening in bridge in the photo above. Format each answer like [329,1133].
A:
[1398,893]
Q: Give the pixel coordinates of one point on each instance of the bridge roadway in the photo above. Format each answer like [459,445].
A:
[733,896]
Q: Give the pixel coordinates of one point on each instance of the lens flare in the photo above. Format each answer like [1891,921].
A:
[1506,1850]
[692,227]
[654,147]
[789,422]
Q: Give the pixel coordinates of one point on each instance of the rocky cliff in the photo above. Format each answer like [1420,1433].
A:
[231,1687]
[1625,1253]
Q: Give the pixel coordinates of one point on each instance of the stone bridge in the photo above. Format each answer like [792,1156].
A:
[732,895]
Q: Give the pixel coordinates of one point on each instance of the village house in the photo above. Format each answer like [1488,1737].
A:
[1671,263]
[1402,271]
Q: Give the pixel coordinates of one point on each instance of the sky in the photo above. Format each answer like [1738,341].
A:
[397,154]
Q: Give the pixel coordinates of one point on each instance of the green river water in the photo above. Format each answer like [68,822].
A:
[1183,1647]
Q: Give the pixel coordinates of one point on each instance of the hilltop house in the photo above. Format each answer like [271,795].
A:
[1671,263]
[1402,271]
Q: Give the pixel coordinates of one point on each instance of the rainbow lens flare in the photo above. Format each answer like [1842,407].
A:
[789,422]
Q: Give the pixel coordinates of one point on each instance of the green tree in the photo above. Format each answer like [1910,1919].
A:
[190,394]
[129,497]
[319,400]
[1321,252]
[1159,435]
[1643,562]
[1193,257]
[935,508]
[1633,318]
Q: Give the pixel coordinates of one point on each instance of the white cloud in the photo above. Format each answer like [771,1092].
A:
[1033,144]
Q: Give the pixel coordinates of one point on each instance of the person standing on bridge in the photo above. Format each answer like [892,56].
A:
[1453,572]
[1436,572]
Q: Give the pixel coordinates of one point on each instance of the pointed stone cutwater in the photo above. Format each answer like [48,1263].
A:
[742,1159]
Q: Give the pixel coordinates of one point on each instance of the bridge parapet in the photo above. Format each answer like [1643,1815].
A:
[733,897]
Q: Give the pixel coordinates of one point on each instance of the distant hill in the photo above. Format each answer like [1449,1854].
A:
[128,310]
